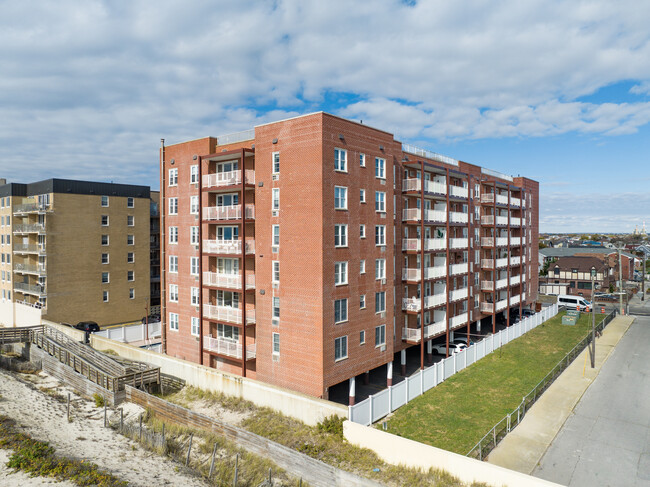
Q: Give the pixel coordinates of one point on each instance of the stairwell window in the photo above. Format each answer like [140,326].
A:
[276,199]
[276,235]
[130,240]
[130,221]
[380,201]
[105,296]
[104,258]
[380,336]
[340,310]
[276,307]
[380,235]
[194,235]
[173,177]
[173,293]
[340,198]
[380,302]
[104,201]
[104,220]
[340,273]
[173,206]
[340,160]
[194,205]
[173,264]
[173,321]
[380,268]
[130,276]
[173,235]
[275,156]
[340,235]
[104,240]
[194,296]
[194,174]
[195,326]
[276,343]
[130,257]
[380,168]
[194,266]
[276,272]
[105,277]
[340,348]
[131,293]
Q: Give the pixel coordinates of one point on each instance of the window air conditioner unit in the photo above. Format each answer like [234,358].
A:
[383,281]
[275,249]
[275,213]
[382,314]
[276,177]
[382,348]
[276,285]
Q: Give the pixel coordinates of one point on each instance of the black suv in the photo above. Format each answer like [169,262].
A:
[87,326]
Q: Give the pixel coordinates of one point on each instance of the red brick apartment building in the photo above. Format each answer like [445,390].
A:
[311,250]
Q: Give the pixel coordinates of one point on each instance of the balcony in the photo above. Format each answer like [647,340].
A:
[487,285]
[414,215]
[458,294]
[503,262]
[229,281]
[515,300]
[225,179]
[502,220]
[227,314]
[503,304]
[411,304]
[38,270]
[523,241]
[458,192]
[224,213]
[457,217]
[455,269]
[502,241]
[29,228]
[28,249]
[223,346]
[435,272]
[487,263]
[515,222]
[516,260]
[501,283]
[487,241]
[487,198]
[227,246]
[413,335]
[30,208]
[435,300]
[515,241]
[34,289]
[414,245]
[411,245]
[458,243]
[435,187]
[412,275]
[514,280]
[502,200]
[458,320]
[515,202]
[487,307]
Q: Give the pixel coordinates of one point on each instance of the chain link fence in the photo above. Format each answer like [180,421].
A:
[486,444]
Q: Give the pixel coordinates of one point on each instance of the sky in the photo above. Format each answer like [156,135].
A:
[557,91]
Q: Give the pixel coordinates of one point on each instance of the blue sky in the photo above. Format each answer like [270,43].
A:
[557,91]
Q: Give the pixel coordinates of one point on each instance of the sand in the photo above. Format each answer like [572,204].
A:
[40,407]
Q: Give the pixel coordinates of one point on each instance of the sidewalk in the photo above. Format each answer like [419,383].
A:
[524,446]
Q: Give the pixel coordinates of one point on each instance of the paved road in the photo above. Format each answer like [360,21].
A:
[606,441]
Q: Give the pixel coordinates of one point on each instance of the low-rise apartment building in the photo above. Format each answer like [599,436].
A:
[309,251]
[79,250]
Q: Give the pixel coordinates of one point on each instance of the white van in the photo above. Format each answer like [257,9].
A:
[573,302]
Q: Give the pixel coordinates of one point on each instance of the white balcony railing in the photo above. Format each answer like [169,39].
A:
[502,200]
[502,220]
[411,215]
[458,243]
[435,300]
[458,294]
[515,241]
[458,191]
[226,313]
[515,260]
[487,241]
[413,275]
[487,219]
[429,186]
[515,222]
[503,304]
[411,244]
[228,212]
[458,320]
[227,246]
[230,348]
[515,300]
[515,202]
[455,269]
[503,262]
[501,283]
[487,285]
[514,280]
[487,198]
[502,241]
[457,217]
[229,178]
[435,272]
[29,228]
[230,281]
[35,289]
[487,307]
[414,334]
[435,244]
[435,215]
[487,263]
[411,304]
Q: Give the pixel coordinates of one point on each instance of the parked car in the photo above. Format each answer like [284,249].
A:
[441,348]
[87,326]
[155,318]
[463,341]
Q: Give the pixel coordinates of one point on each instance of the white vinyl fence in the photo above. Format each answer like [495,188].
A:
[135,333]
[381,404]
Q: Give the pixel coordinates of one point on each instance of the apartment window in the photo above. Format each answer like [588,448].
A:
[380,234]
[194,174]
[362,337]
[195,326]
[130,239]
[380,335]
[362,266]
[340,273]
[362,195]
[104,258]
[340,235]
[104,220]
[104,200]
[380,201]
[130,202]
[380,269]
[340,197]
[173,321]
[228,332]
[105,296]
[476,301]
[173,263]
[173,206]
[194,205]
[276,199]
[173,293]
[276,235]
[362,301]
[341,348]
[194,266]
[340,160]
[130,220]
[380,302]
[173,176]
[105,277]
[380,168]
[194,296]
[173,235]
[477,190]
[276,307]
[130,257]
[131,293]
[276,343]
[362,160]
[276,162]
[362,231]
[276,271]
[130,276]
[340,310]
[194,235]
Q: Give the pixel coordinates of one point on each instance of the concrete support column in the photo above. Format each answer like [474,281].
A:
[430,352]
[403,361]
[353,390]
[389,374]
[366,378]
[478,326]
[451,337]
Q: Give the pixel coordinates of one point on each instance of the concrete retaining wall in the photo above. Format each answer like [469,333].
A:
[401,451]
[305,408]
[16,314]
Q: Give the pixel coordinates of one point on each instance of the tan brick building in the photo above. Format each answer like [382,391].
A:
[80,250]
[316,248]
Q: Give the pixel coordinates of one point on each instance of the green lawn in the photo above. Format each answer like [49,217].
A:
[456,414]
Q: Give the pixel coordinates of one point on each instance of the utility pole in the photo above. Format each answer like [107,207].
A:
[593,320]
[643,278]
[620,280]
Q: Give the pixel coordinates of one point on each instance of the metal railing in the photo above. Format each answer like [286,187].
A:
[499,431]
[434,156]
[227,347]
[236,137]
